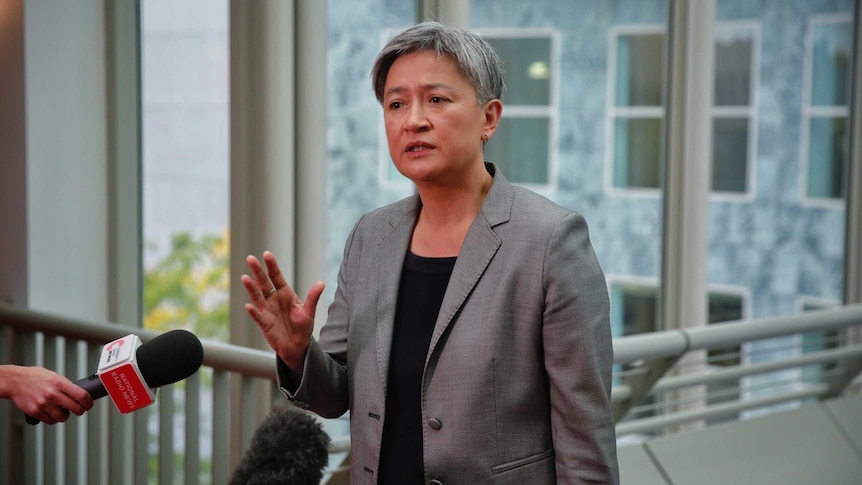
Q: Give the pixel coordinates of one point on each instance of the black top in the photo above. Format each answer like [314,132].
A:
[420,294]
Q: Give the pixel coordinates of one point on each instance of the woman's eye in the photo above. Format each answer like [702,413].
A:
[436,99]
[395,105]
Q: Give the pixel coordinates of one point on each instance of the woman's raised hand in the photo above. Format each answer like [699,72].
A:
[286,321]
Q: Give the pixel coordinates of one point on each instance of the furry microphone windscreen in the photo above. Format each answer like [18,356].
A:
[289,447]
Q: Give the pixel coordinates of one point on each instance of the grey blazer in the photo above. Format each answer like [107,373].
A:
[518,374]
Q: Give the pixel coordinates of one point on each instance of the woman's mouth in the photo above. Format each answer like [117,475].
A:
[417,147]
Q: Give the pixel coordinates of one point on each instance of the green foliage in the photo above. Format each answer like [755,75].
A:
[189,288]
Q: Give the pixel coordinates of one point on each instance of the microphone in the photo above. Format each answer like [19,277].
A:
[290,446]
[130,371]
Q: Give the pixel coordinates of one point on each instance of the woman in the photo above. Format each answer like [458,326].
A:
[469,333]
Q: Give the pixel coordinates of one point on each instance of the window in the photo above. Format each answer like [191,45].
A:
[826,109]
[733,107]
[523,146]
[723,308]
[636,107]
[185,109]
[634,310]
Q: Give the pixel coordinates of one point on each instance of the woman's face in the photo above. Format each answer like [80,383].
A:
[434,124]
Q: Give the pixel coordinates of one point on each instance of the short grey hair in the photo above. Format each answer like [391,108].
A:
[475,59]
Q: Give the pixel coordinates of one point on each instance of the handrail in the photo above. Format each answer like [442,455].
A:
[679,382]
[246,364]
[652,355]
[627,349]
[716,411]
[219,356]
[670,343]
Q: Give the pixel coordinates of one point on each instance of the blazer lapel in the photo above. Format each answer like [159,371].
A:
[392,248]
[480,246]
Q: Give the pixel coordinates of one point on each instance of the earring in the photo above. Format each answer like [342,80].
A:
[484,137]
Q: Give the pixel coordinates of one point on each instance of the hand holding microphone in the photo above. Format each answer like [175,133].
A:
[129,371]
[43,393]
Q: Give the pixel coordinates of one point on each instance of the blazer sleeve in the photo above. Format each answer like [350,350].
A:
[323,387]
[578,355]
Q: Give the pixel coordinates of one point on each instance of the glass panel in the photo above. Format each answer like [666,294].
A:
[637,152]
[729,154]
[640,70]
[520,148]
[833,57]
[732,84]
[827,157]
[185,134]
[527,65]
[185,166]
[765,243]
[634,310]
[638,309]
[724,308]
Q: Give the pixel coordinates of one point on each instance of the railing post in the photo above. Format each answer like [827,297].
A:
[193,429]
[838,383]
[643,378]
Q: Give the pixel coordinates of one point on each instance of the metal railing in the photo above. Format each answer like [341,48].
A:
[686,375]
[105,447]
[664,382]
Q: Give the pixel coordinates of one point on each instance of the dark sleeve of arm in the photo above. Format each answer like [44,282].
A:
[323,386]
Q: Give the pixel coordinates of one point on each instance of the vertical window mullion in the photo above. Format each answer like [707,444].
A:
[686,176]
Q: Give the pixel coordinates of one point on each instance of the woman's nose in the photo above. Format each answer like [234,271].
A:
[417,119]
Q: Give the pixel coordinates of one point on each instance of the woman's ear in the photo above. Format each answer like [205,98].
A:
[492,112]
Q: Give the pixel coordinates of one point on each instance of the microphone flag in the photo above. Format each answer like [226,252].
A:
[119,372]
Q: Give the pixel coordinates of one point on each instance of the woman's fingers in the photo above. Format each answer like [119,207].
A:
[285,320]
[310,305]
[251,288]
[268,278]
[257,272]
[274,271]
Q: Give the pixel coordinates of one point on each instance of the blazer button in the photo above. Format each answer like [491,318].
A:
[435,424]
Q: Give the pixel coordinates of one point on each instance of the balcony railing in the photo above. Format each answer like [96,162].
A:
[664,382]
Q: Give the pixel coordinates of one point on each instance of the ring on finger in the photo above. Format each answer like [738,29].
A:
[268,293]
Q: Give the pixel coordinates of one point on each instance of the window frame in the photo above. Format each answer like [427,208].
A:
[551,111]
[638,112]
[615,280]
[750,112]
[808,111]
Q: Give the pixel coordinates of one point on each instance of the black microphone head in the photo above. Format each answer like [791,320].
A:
[170,357]
[290,446]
